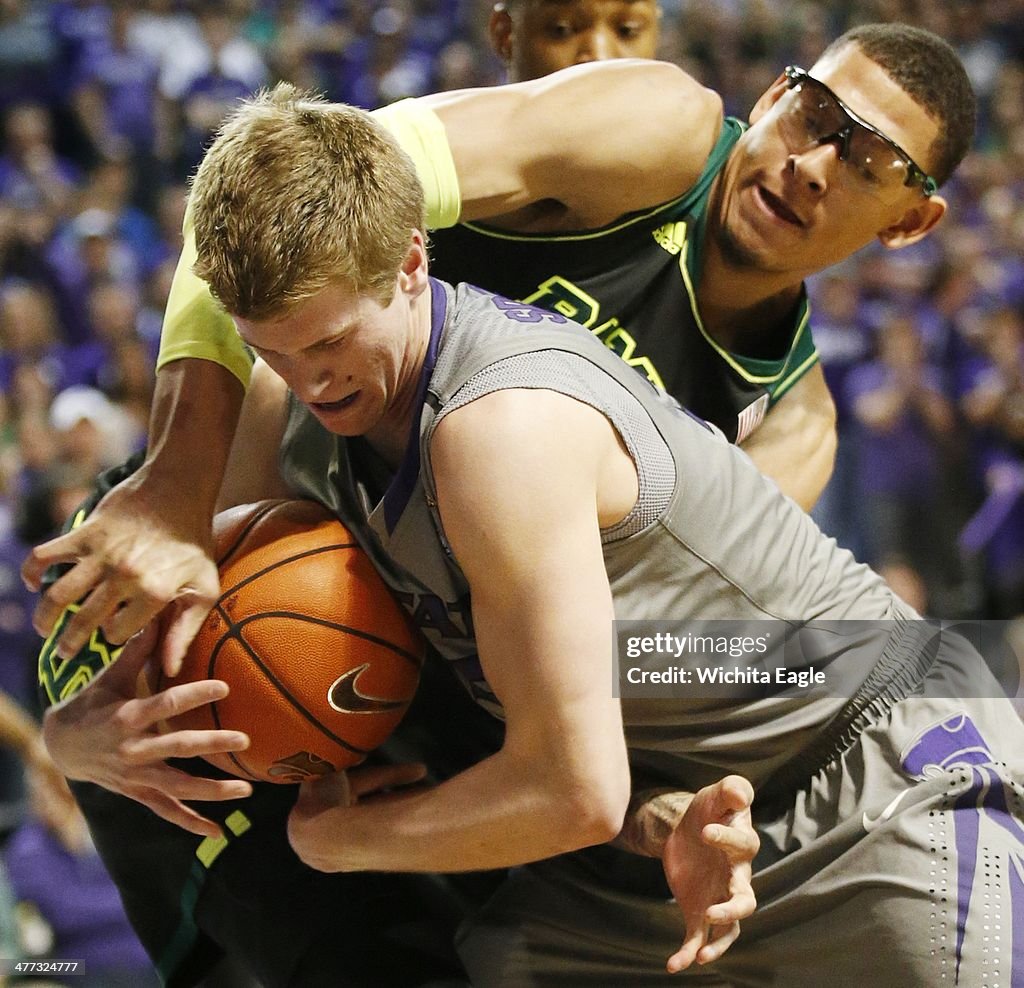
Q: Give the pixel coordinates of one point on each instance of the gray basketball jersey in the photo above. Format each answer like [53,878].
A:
[710,537]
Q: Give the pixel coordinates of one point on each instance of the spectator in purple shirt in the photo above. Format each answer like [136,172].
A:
[115,316]
[115,93]
[24,234]
[111,187]
[905,425]
[30,338]
[993,403]
[306,40]
[209,79]
[204,104]
[844,342]
[87,252]
[32,174]
[385,65]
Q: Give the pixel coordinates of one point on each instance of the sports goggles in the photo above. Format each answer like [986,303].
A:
[811,114]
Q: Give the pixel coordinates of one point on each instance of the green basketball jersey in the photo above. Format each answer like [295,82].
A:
[632,283]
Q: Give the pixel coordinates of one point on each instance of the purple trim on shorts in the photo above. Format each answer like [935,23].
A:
[1016,923]
[994,806]
[966,823]
[396,498]
[954,744]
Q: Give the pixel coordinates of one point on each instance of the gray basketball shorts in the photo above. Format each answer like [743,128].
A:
[900,863]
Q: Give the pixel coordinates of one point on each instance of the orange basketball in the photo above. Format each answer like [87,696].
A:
[321,660]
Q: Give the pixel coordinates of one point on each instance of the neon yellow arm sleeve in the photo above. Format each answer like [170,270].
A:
[419,131]
[194,324]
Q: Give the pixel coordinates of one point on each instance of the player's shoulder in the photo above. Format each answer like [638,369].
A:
[513,437]
[630,117]
[653,92]
[631,76]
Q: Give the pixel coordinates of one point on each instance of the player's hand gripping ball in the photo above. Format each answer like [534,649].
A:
[321,660]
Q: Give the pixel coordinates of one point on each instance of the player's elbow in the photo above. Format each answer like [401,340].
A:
[671,78]
[712,108]
[598,808]
[605,821]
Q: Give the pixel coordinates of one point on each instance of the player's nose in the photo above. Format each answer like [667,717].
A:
[815,167]
[311,381]
[597,45]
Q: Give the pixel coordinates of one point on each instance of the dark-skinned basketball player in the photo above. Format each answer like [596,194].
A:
[537,37]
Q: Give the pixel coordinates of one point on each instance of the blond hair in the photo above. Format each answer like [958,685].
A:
[296,194]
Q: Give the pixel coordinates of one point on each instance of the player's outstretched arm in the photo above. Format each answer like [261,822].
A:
[796,443]
[109,735]
[603,139]
[706,842]
[148,542]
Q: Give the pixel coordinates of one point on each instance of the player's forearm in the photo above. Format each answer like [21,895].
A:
[192,422]
[494,815]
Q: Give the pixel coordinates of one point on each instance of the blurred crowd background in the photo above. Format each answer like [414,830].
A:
[106,107]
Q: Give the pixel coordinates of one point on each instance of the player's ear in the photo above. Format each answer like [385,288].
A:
[412,275]
[499,31]
[768,98]
[915,224]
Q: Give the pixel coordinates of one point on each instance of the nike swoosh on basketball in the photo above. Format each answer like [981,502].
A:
[344,696]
